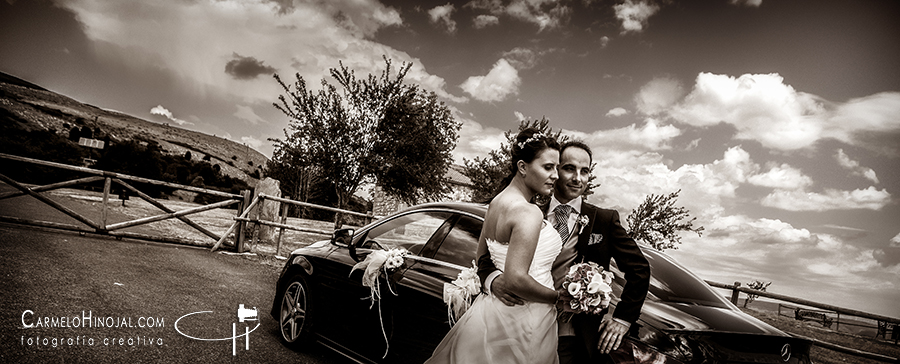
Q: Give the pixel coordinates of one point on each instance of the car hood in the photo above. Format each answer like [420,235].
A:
[673,316]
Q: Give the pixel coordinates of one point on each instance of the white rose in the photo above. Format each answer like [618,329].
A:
[594,302]
[394,262]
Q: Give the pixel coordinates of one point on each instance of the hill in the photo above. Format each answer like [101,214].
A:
[27,106]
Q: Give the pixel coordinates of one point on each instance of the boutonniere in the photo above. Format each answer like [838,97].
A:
[582,222]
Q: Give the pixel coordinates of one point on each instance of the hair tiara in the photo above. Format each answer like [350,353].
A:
[534,137]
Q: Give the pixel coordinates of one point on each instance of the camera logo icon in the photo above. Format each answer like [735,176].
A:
[246,314]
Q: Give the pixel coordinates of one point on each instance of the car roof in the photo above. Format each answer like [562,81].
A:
[474,208]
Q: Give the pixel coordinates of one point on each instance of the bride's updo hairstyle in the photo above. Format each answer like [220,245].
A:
[528,144]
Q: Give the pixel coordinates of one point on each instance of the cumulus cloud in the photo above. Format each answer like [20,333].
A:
[160,110]
[519,116]
[247,114]
[852,165]
[634,14]
[627,175]
[832,199]
[184,38]
[650,136]
[523,58]
[862,116]
[765,109]
[890,255]
[658,95]
[615,112]
[761,107]
[247,68]
[502,80]
[252,142]
[751,3]
[440,15]
[476,140]
[733,246]
[484,21]
[782,177]
[543,13]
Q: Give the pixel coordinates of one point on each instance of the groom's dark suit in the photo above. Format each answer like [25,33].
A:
[608,239]
[603,238]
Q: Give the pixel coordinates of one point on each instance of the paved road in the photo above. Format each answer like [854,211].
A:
[53,281]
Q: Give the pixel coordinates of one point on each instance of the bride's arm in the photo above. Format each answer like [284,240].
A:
[525,230]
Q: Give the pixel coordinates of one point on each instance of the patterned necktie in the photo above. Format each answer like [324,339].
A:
[562,220]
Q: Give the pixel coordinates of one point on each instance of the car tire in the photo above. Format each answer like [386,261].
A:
[294,318]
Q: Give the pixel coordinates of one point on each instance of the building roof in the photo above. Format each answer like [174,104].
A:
[455,175]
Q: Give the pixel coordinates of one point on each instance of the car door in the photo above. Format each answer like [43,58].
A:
[421,315]
[367,327]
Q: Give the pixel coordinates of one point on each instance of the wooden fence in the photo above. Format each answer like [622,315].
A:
[736,290]
[104,227]
[242,219]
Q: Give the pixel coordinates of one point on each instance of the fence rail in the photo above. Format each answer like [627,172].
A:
[736,289]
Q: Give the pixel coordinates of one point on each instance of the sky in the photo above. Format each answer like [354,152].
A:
[779,121]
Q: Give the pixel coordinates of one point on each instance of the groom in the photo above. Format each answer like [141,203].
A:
[585,337]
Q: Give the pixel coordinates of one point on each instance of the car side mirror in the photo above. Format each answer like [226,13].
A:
[342,237]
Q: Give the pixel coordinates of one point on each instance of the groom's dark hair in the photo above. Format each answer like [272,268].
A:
[576,144]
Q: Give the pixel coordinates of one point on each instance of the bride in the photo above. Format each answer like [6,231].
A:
[519,240]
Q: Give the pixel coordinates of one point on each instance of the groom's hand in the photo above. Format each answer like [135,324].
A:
[611,334]
[499,290]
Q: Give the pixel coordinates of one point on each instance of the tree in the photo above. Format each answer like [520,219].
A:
[657,222]
[417,136]
[352,135]
[757,285]
[487,174]
[294,167]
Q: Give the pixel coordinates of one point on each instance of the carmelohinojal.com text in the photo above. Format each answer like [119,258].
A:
[87,320]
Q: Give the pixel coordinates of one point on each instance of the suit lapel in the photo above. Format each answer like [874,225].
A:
[584,237]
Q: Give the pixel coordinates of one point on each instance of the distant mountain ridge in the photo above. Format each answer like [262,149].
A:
[30,106]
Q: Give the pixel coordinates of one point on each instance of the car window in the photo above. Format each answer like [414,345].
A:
[410,231]
[459,246]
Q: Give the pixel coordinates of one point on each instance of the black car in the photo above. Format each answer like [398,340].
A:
[318,299]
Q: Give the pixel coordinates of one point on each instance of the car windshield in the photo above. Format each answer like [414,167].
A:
[670,282]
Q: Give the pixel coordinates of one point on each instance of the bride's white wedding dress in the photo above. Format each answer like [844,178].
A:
[492,332]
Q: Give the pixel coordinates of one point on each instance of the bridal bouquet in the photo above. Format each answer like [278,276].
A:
[588,288]
[459,294]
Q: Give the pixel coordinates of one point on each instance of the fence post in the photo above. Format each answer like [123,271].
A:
[284,213]
[257,225]
[239,234]
[104,213]
[735,293]
[370,215]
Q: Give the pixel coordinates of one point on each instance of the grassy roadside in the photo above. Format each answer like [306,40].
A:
[825,356]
